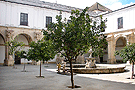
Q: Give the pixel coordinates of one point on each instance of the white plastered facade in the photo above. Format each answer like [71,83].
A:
[10,27]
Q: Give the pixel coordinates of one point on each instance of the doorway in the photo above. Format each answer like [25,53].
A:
[17,59]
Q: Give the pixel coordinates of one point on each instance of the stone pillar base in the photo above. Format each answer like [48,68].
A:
[111,61]
[9,62]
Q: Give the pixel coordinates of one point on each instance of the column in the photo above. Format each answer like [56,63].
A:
[131,38]
[111,50]
[9,61]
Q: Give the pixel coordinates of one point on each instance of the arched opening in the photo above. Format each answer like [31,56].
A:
[120,43]
[26,39]
[2,49]
[17,59]
[105,56]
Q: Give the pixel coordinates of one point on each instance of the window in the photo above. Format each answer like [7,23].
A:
[69,21]
[120,22]
[48,21]
[24,19]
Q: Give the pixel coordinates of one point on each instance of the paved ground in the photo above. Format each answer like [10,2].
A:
[14,79]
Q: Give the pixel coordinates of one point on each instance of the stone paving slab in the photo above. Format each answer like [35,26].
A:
[117,77]
[14,79]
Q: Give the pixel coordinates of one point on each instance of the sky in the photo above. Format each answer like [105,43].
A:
[111,4]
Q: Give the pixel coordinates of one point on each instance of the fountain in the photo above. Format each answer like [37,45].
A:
[92,68]
[90,61]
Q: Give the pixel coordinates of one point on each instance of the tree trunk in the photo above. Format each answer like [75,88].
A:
[99,59]
[24,67]
[14,61]
[40,68]
[71,70]
[132,69]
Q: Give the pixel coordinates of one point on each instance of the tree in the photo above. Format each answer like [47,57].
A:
[74,38]
[98,50]
[22,54]
[42,50]
[14,46]
[128,53]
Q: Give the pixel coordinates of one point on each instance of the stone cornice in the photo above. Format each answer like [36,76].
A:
[12,27]
[123,31]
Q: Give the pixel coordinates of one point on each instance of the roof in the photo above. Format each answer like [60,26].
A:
[99,7]
[43,4]
[133,5]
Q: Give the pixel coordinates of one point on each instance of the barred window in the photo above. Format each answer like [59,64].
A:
[24,19]
[69,21]
[120,22]
[48,21]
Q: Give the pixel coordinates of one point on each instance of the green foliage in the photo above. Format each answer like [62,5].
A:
[101,45]
[21,54]
[76,37]
[42,50]
[13,46]
[127,53]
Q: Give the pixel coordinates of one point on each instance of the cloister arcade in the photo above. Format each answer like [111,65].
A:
[116,41]
[2,49]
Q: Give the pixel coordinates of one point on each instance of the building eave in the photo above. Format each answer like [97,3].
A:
[119,9]
[41,5]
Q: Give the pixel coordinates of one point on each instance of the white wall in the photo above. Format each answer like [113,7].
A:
[10,15]
[128,15]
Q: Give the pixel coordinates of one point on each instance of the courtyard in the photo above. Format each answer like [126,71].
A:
[15,79]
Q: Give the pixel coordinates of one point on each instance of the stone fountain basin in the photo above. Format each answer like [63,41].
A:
[99,70]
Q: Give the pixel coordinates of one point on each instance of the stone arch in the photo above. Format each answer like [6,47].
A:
[3,37]
[24,36]
[105,56]
[2,49]
[27,35]
[118,36]
[120,42]
[26,39]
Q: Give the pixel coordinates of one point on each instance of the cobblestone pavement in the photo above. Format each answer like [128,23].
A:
[15,79]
